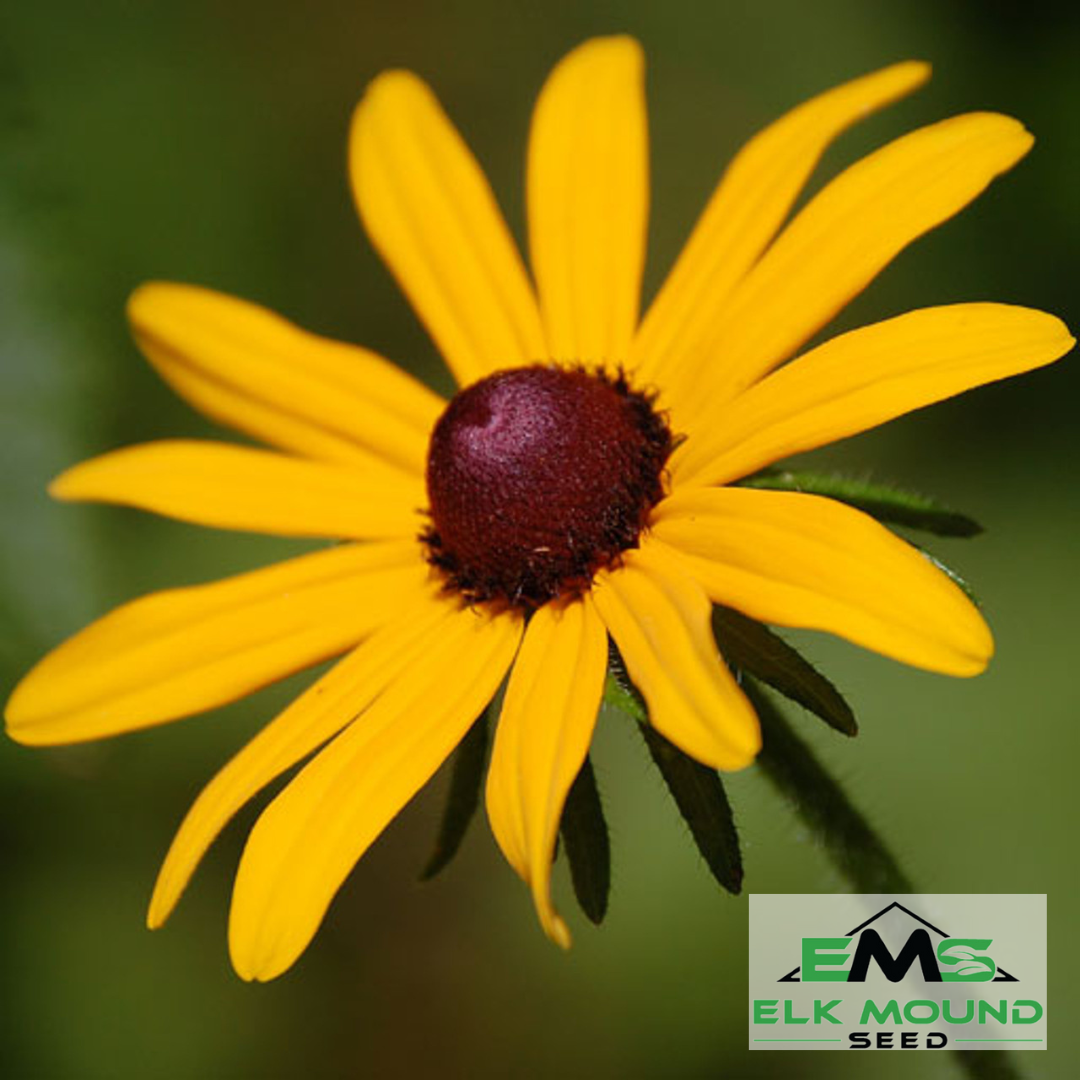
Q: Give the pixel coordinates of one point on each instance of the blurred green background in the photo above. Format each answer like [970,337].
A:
[204,142]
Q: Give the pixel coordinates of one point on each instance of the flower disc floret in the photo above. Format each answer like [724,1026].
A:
[537,478]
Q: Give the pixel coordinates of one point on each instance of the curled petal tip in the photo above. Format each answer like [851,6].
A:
[61,488]
[737,762]
[21,711]
[557,931]
[908,74]
[980,655]
[394,84]
[146,300]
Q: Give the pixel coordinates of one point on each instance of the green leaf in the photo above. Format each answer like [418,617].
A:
[588,849]
[699,794]
[752,647]
[822,804]
[893,506]
[462,798]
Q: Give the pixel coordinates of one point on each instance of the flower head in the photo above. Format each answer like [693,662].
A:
[578,489]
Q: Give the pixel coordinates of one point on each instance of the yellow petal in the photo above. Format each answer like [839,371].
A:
[432,216]
[800,560]
[542,739]
[248,368]
[660,620]
[588,196]
[308,839]
[236,487]
[865,377]
[174,653]
[748,206]
[316,716]
[841,240]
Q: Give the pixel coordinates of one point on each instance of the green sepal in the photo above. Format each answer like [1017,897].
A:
[697,790]
[462,797]
[822,804]
[890,505]
[699,794]
[585,840]
[749,646]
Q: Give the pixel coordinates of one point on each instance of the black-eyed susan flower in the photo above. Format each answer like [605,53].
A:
[579,487]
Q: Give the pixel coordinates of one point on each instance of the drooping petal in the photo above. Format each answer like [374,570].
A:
[843,238]
[806,561]
[308,839]
[179,652]
[659,618]
[748,206]
[542,739]
[588,196]
[248,368]
[316,716]
[865,377]
[431,214]
[236,487]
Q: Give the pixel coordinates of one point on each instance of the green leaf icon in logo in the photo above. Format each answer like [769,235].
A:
[962,961]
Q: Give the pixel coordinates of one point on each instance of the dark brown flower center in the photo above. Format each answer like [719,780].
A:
[537,478]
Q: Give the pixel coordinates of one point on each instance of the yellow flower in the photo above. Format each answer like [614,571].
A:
[579,486]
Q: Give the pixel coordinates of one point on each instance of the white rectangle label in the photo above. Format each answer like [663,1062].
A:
[927,971]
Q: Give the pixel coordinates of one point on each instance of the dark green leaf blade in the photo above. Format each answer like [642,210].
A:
[462,797]
[822,804]
[699,794]
[888,504]
[752,647]
[588,848]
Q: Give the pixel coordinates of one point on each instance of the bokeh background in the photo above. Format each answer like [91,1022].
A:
[204,142]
